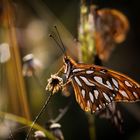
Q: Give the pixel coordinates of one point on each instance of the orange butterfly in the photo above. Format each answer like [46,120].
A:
[96,86]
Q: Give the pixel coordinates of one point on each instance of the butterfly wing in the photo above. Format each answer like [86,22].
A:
[95,87]
[113,114]
[111,28]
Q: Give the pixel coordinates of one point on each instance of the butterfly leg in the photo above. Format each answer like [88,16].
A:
[65,90]
[60,70]
[67,83]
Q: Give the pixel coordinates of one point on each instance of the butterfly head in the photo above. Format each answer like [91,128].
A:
[69,64]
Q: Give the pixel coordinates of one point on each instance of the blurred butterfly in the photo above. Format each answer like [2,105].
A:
[113,114]
[101,29]
[111,28]
[96,86]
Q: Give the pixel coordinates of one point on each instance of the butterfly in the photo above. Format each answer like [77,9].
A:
[95,86]
[101,30]
[113,114]
[112,27]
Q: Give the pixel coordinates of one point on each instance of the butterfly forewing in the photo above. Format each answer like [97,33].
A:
[95,87]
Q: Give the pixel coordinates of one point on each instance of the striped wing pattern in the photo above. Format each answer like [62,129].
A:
[95,87]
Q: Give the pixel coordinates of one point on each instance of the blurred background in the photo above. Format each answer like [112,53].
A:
[28,57]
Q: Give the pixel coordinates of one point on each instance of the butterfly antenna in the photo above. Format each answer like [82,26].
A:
[51,36]
[39,114]
[60,38]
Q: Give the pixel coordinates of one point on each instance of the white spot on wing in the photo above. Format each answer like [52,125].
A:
[89,72]
[83,93]
[77,70]
[128,84]
[91,97]
[96,93]
[106,103]
[111,98]
[98,79]
[123,93]
[135,94]
[88,104]
[106,97]
[97,108]
[109,85]
[78,81]
[115,82]
[114,95]
[102,72]
[116,89]
[100,106]
[86,81]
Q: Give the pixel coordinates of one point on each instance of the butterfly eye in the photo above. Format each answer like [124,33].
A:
[66,60]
